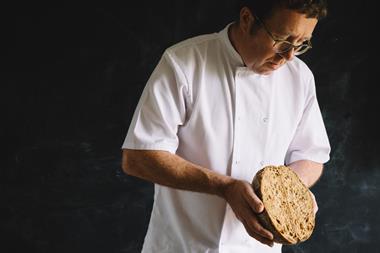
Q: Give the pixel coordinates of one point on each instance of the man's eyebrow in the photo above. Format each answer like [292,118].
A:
[281,34]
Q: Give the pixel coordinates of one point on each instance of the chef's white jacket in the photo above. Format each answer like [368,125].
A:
[202,104]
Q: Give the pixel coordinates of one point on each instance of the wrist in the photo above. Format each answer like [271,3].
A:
[224,188]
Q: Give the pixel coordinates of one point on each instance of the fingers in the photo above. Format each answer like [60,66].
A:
[254,204]
[253,200]
[257,236]
[252,224]
[257,228]
[246,204]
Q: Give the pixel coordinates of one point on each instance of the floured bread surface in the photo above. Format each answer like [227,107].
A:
[288,204]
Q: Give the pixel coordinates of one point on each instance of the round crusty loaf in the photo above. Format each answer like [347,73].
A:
[288,212]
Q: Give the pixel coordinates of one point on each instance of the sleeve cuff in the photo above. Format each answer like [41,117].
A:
[319,158]
[152,146]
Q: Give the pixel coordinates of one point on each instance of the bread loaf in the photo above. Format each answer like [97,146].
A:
[288,203]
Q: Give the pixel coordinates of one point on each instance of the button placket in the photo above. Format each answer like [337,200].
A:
[236,159]
[235,155]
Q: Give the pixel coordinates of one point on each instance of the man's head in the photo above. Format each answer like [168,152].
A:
[271,32]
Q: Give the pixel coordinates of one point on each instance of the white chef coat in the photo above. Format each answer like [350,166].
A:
[204,105]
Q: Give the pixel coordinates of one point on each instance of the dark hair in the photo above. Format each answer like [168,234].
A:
[263,8]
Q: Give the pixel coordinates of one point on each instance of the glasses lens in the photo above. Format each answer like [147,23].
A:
[283,47]
[301,49]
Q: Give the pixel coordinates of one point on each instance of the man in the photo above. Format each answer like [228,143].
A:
[218,108]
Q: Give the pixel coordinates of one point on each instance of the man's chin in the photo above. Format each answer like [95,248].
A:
[268,69]
[264,71]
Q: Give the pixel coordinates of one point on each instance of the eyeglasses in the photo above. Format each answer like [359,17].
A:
[283,46]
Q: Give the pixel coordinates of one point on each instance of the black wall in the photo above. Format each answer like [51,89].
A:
[72,76]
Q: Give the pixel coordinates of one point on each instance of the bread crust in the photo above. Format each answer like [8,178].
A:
[297,232]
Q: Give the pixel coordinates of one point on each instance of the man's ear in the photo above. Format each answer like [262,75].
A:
[246,19]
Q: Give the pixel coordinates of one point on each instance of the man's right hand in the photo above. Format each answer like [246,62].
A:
[246,205]
[164,168]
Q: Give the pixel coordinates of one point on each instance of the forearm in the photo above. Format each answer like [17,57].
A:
[308,171]
[170,170]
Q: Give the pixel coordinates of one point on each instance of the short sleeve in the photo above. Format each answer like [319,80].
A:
[310,141]
[160,110]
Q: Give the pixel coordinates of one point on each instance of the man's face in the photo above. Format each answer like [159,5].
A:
[256,49]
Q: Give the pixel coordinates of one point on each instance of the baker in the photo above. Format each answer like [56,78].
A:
[215,110]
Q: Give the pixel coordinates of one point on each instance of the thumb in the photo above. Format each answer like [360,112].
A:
[254,201]
[315,205]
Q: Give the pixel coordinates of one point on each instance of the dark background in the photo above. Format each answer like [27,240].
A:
[72,78]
